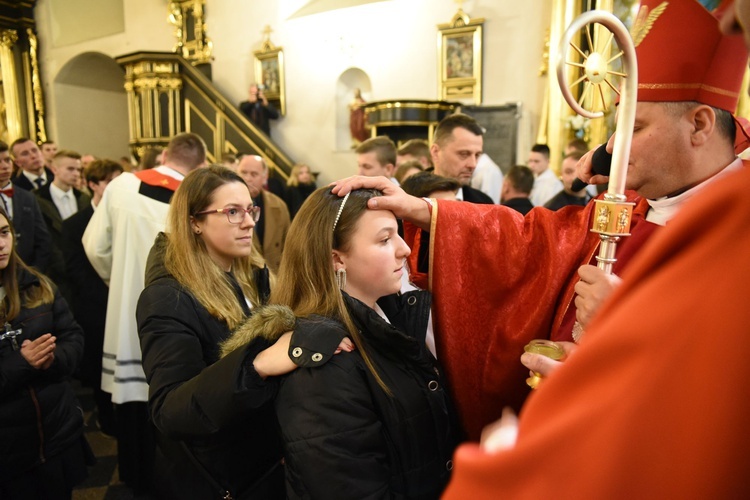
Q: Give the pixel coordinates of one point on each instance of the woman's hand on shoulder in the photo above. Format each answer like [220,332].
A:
[40,352]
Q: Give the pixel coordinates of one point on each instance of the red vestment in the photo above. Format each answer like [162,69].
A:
[652,404]
[499,280]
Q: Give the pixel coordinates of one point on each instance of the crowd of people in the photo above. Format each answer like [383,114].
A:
[259,341]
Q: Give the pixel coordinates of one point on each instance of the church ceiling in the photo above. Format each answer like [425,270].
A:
[318,6]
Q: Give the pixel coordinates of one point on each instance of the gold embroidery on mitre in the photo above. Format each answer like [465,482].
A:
[644,21]
[679,86]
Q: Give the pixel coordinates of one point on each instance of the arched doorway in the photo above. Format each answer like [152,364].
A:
[90,106]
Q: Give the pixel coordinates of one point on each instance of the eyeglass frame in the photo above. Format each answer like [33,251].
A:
[253,212]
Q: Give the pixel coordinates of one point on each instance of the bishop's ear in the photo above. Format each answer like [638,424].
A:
[703,120]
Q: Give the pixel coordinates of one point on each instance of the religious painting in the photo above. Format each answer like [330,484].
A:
[269,72]
[460,58]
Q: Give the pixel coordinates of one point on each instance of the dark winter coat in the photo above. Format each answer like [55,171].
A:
[39,414]
[219,408]
[344,437]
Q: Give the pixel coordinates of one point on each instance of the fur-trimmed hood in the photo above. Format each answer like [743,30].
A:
[268,322]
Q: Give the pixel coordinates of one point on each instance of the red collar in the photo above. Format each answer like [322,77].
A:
[155,178]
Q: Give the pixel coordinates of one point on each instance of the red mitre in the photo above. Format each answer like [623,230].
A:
[685,57]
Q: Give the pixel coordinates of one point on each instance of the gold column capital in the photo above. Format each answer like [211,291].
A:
[8,38]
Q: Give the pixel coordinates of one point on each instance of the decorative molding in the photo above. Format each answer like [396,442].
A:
[36,86]
[8,38]
[194,45]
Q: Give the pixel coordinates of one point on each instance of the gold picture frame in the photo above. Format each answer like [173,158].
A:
[459,46]
[269,72]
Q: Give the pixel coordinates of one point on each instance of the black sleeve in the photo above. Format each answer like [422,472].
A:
[188,397]
[315,340]
[75,258]
[271,112]
[423,259]
[69,343]
[15,371]
[333,438]
[246,108]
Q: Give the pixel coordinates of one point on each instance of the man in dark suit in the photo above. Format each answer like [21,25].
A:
[456,148]
[88,290]
[58,201]
[32,238]
[32,174]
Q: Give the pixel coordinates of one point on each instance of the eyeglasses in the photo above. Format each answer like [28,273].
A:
[235,215]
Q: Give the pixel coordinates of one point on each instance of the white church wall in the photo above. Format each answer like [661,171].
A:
[145,28]
[393,42]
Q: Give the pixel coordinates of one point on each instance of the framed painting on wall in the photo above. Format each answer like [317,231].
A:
[460,58]
[269,72]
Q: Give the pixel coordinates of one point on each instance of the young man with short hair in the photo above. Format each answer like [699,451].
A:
[377,156]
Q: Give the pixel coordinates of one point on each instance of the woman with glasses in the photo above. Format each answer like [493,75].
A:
[215,418]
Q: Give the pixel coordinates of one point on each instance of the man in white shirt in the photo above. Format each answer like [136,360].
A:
[59,200]
[488,178]
[546,183]
[117,241]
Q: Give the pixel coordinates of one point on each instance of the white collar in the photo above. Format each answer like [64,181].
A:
[664,209]
[34,177]
[163,169]
[58,193]
[547,172]
[381,313]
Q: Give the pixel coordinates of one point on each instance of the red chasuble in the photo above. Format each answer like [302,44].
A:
[499,280]
[652,405]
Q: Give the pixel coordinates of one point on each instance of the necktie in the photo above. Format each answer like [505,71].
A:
[8,194]
[68,205]
[39,182]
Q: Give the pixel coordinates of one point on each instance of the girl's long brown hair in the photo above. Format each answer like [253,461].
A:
[30,297]
[306,280]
